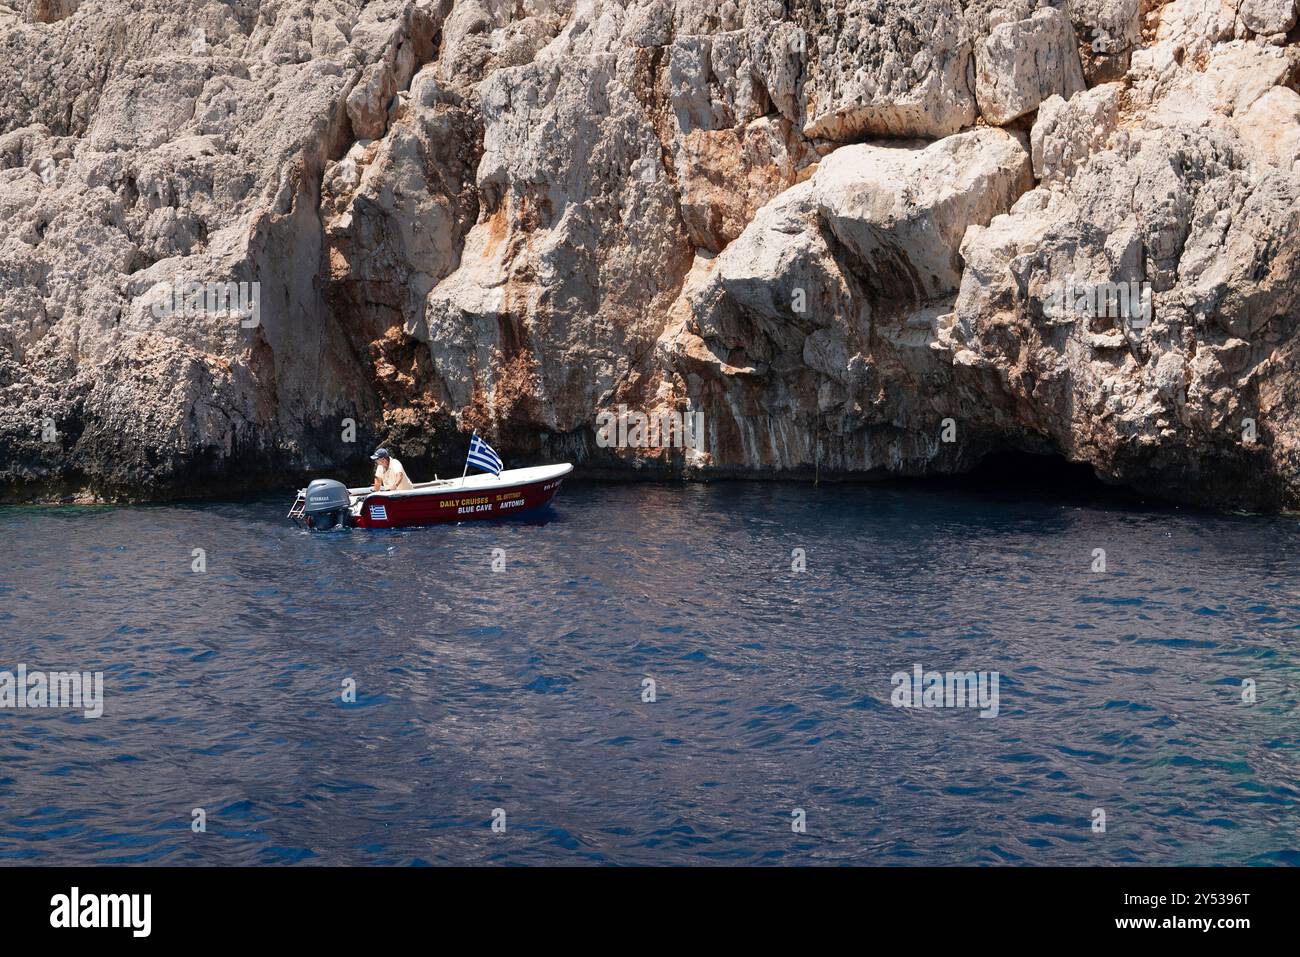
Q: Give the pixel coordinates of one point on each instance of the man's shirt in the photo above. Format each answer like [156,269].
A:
[394,478]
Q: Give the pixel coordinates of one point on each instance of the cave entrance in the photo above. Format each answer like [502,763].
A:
[1025,475]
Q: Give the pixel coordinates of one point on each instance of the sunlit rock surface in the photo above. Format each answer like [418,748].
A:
[841,231]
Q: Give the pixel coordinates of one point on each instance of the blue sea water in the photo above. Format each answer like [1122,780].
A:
[522,689]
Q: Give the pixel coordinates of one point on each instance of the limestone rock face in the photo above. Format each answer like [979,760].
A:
[1067,132]
[904,210]
[832,294]
[153,152]
[49,11]
[1165,406]
[1268,16]
[1108,32]
[884,68]
[854,237]
[1199,203]
[1022,62]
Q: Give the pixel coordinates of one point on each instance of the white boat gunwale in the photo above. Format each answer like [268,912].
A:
[480,481]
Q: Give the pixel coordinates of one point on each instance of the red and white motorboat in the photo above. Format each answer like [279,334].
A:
[326,504]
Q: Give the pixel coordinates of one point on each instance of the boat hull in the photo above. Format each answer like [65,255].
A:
[447,502]
[460,505]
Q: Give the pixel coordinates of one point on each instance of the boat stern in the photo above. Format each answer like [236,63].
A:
[323,505]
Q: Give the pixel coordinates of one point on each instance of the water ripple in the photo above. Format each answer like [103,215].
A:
[524,689]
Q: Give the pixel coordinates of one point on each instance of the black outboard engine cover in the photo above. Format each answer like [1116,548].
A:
[326,505]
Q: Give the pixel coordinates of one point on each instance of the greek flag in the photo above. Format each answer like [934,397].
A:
[482,456]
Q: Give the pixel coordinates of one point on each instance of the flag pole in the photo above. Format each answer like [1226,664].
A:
[466,469]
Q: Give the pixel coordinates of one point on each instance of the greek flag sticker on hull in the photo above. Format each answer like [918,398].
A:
[378,513]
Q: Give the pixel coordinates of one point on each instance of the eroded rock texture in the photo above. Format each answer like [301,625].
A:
[840,230]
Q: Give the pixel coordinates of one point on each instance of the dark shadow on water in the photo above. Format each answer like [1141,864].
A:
[1006,477]
[1022,477]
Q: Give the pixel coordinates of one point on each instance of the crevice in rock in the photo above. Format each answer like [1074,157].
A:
[369,307]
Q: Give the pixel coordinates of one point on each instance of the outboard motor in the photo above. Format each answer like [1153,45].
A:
[327,505]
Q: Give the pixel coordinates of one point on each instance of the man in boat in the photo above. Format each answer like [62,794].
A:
[389,474]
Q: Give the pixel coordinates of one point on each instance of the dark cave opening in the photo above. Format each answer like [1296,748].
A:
[1026,475]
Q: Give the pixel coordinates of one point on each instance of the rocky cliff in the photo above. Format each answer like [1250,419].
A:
[241,241]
